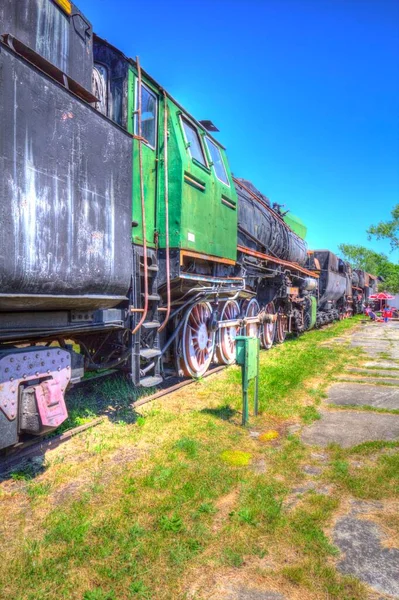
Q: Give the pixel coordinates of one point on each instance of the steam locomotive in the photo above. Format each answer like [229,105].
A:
[126,242]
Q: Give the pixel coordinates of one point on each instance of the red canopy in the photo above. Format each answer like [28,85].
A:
[381,296]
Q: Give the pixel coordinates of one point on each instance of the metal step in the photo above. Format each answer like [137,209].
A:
[151,381]
[153,268]
[153,297]
[151,324]
[148,353]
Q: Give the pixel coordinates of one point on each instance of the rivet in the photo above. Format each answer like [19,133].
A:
[11,360]
[25,357]
[13,390]
[68,367]
[42,363]
[36,356]
[12,415]
[5,404]
[37,373]
[53,361]
[58,351]
[48,353]
[48,371]
[59,369]
[11,378]
[24,376]
[7,369]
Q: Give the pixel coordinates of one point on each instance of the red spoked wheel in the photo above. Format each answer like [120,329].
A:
[197,340]
[281,326]
[251,308]
[226,336]
[268,330]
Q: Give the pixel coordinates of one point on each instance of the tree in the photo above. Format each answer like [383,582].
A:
[387,229]
[373,262]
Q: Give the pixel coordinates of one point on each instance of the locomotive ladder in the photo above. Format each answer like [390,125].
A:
[146,353]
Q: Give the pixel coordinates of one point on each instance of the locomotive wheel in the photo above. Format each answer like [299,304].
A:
[226,336]
[251,309]
[281,327]
[268,330]
[197,340]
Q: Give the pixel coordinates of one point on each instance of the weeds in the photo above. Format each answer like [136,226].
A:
[193,501]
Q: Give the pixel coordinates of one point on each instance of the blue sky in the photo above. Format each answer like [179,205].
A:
[304,92]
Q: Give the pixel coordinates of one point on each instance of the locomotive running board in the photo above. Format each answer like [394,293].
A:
[278,261]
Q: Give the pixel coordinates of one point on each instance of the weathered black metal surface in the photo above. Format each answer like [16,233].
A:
[261,229]
[333,280]
[66,41]
[8,431]
[65,196]
[355,278]
[110,81]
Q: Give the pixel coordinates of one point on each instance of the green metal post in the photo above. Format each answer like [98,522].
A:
[248,358]
[256,402]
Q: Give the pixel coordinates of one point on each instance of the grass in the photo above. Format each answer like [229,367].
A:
[160,505]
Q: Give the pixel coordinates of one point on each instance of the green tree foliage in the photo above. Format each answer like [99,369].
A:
[387,229]
[373,262]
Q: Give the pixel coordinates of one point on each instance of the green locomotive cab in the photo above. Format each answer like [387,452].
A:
[184,220]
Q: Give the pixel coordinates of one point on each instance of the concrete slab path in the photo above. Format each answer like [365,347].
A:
[360,540]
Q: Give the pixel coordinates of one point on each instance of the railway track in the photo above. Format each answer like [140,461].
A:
[26,451]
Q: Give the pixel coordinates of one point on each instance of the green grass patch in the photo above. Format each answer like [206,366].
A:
[236,458]
[376,481]
[309,414]
[194,500]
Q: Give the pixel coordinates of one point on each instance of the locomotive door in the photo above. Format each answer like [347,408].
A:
[149,131]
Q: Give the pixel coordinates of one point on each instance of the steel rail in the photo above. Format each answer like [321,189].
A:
[33,448]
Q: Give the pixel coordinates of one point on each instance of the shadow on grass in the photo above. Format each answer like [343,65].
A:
[111,398]
[224,412]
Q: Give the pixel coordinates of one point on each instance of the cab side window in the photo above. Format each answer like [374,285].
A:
[218,164]
[194,143]
[148,116]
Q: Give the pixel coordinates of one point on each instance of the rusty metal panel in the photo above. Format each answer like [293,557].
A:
[51,403]
[64,40]
[65,195]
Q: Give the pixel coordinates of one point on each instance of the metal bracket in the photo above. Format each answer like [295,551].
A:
[21,366]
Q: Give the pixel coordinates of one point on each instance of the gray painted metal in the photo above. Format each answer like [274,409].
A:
[17,367]
[65,41]
[333,283]
[65,196]
[261,229]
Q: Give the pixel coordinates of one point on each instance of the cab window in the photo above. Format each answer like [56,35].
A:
[148,116]
[218,164]
[194,142]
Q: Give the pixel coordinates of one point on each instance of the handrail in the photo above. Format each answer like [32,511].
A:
[142,199]
[166,193]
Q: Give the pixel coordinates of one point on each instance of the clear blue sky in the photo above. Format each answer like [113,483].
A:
[304,92]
